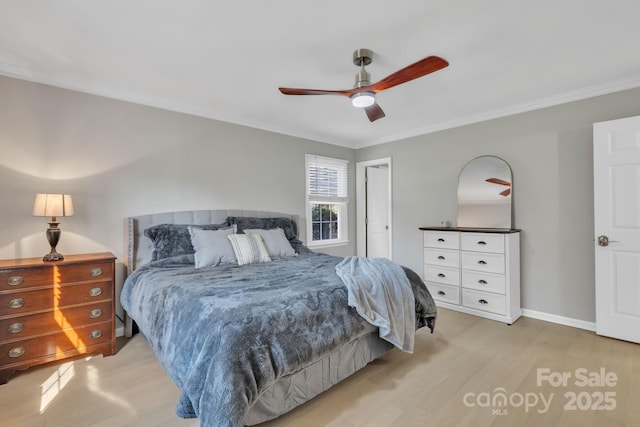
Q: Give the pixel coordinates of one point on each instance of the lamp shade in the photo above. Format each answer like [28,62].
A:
[53,205]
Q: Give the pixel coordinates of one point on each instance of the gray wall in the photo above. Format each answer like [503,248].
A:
[550,153]
[119,159]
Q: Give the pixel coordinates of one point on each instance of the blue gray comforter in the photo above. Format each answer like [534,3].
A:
[224,334]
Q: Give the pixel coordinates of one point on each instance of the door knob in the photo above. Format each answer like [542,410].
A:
[604,241]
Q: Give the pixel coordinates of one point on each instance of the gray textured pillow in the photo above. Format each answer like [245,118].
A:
[212,247]
[248,222]
[275,241]
[171,240]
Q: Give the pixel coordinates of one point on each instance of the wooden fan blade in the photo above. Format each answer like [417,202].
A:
[418,69]
[498,181]
[293,91]
[374,112]
[505,192]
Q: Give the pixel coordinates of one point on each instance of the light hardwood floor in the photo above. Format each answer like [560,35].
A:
[450,380]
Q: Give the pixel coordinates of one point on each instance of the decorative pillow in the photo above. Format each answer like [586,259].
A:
[299,247]
[171,240]
[212,247]
[248,248]
[275,241]
[244,222]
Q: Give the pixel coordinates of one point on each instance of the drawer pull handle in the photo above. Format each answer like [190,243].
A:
[16,352]
[481,242]
[15,280]
[482,282]
[94,292]
[442,293]
[441,240]
[441,275]
[96,312]
[16,328]
[481,262]
[483,301]
[441,257]
[16,303]
[95,334]
[95,272]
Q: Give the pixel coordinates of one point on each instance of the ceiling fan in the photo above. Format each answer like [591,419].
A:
[501,182]
[363,93]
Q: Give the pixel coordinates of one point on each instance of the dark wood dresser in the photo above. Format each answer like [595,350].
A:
[54,310]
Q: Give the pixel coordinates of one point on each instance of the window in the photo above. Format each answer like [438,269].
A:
[327,200]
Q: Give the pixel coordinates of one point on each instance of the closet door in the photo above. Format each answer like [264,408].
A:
[616,158]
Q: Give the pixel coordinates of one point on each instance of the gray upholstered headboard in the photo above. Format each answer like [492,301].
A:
[139,248]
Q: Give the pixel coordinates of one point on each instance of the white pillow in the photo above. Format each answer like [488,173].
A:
[212,247]
[275,241]
[248,248]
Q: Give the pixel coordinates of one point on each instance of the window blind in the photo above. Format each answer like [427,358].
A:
[327,179]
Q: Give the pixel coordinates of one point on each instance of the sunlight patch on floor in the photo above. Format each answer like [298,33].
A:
[55,383]
[93,382]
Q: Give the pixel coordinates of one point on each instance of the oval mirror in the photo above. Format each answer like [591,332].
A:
[484,193]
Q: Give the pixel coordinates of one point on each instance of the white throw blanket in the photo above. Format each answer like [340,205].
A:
[380,292]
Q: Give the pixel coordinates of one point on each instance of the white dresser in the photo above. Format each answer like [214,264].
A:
[475,271]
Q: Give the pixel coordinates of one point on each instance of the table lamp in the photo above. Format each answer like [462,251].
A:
[53,205]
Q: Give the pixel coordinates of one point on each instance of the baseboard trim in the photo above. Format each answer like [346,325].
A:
[562,320]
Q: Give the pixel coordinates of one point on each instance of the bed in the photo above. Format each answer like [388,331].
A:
[247,343]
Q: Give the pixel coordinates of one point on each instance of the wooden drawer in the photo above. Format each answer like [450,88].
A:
[444,293]
[444,257]
[49,275]
[482,242]
[441,239]
[486,262]
[57,344]
[445,275]
[481,281]
[20,327]
[12,303]
[485,301]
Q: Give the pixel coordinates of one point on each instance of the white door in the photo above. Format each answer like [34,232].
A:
[616,163]
[377,219]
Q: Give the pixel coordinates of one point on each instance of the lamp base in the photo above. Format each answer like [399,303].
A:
[53,235]
[53,256]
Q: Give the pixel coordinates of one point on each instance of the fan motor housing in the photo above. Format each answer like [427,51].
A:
[362,57]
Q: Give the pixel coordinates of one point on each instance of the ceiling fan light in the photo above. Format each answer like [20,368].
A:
[363,99]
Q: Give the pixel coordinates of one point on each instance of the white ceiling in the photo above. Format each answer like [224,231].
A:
[226,60]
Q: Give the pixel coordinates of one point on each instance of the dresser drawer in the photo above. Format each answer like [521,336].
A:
[56,344]
[441,239]
[482,242]
[481,281]
[444,293]
[444,257]
[485,301]
[478,261]
[59,296]
[44,323]
[48,275]
[445,275]
[19,278]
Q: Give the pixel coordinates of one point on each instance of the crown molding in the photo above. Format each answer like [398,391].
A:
[21,73]
[563,98]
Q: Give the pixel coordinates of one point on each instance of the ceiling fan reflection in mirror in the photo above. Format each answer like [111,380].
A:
[363,93]
[499,181]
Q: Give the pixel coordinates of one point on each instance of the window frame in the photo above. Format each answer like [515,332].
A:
[341,199]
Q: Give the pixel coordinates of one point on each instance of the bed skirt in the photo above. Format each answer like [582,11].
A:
[292,390]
